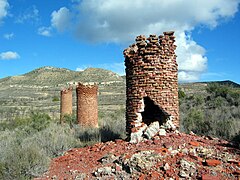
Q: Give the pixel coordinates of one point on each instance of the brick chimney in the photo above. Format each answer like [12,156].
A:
[152,82]
[66,103]
[87,105]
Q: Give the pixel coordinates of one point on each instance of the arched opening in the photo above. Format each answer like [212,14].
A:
[152,112]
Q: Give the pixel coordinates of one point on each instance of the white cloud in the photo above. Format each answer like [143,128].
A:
[9,55]
[45,31]
[3,9]
[191,58]
[187,76]
[120,21]
[30,15]
[8,36]
[113,20]
[61,19]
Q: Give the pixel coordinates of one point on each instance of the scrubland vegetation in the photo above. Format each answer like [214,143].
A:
[216,113]
[28,143]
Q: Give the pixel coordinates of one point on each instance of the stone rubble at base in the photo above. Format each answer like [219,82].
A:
[148,132]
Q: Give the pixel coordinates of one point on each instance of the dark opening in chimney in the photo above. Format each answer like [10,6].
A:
[152,112]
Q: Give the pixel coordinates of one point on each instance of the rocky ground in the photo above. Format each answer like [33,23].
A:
[173,156]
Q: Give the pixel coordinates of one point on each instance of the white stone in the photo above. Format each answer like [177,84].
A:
[174,152]
[183,174]
[142,106]
[166,167]
[162,132]
[137,124]
[136,137]
[152,130]
[169,124]
[139,117]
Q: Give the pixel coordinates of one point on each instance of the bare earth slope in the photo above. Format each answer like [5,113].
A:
[174,156]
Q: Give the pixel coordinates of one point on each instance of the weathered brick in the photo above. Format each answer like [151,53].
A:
[157,73]
[66,103]
[87,106]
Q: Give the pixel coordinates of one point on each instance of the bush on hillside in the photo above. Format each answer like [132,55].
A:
[28,144]
[217,114]
[70,119]
[39,121]
[113,125]
[24,155]
[35,122]
[181,94]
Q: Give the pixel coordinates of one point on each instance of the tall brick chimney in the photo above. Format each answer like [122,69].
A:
[87,105]
[66,103]
[152,81]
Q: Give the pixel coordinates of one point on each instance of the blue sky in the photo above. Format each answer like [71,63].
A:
[78,34]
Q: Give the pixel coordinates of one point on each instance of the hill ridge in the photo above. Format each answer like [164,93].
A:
[48,75]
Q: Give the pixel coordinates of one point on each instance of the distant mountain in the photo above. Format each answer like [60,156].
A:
[99,75]
[47,75]
[227,82]
[200,87]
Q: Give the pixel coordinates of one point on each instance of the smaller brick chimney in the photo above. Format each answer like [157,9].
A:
[66,103]
[87,105]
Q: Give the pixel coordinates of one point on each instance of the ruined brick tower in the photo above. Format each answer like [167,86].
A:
[152,81]
[87,106]
[66,103]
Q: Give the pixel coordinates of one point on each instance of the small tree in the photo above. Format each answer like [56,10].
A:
[181,94]
[39,121]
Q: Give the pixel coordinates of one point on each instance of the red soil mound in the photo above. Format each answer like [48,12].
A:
[176,156]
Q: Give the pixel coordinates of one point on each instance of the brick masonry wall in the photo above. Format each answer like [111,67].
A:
[66,103]
[152,72]
[87,106]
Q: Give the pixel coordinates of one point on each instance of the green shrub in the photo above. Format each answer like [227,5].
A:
[87,135]
[198,100]
[224,129]
[230,94]
[55,139]
[70,119]
[20,160]
[25,162]
[236,139]
[35,122]
[216,102]
[24,155]
[218,90]
[55,99]
[181,94]
[113,125]
[217,114]
[39,121]
[192,121]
